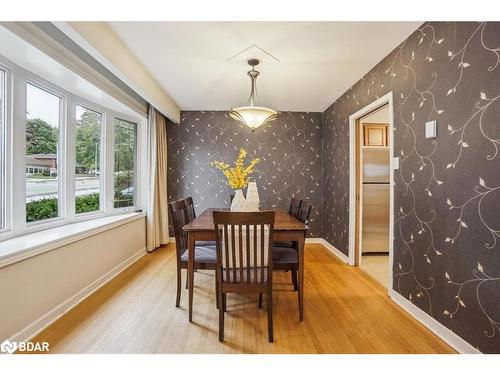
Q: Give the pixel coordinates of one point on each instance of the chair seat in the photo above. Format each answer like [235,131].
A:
[202,254]
[283,244]
[245,277]
[205,243]
[284,255]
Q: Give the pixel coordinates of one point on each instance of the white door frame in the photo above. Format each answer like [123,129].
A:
[386,99]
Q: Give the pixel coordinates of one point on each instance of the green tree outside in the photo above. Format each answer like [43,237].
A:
[41,138]
[124,162]
[88,138]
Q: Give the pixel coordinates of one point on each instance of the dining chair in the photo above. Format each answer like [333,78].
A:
[304,212]
[205,256]
[190,212]
[286,258]
[293,210]
[244,258]
[191,215]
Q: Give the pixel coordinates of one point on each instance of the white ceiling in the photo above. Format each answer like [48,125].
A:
[30,58]
[319,61]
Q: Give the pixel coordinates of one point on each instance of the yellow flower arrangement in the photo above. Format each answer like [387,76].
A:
[237,176]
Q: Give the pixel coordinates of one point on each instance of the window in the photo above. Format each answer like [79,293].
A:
[63,158]
[125,146]
[3,156]
[42,153]
[87,160]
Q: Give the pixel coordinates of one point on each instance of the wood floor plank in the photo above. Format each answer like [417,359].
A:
[345,312]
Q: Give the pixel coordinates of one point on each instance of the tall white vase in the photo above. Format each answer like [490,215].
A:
[252,197]
[239,202]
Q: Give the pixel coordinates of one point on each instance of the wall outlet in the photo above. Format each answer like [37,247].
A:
[431,129]
[395,162]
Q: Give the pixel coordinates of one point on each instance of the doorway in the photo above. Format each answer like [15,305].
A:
[371,203]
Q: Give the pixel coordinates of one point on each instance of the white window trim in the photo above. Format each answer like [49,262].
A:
[136,167]
[16,225]
[7,142]
[102,157]
[43,85]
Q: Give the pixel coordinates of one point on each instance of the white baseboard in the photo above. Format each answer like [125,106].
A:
[43,322]
[444,333]
[330,247]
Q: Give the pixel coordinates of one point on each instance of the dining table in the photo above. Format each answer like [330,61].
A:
[287,228]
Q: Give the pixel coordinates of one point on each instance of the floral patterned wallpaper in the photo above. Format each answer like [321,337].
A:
[289,149]
[447,190]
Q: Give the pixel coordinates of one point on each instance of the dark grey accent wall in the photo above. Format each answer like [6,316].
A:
[289,149]
[447,190]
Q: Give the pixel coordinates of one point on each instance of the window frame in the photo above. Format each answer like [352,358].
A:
[17,79]
[136,169]
[43,85]
[6,141]
[102,157]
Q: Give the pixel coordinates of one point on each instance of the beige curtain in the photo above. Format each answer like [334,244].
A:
[157,218]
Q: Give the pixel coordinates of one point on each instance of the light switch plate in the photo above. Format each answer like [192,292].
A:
[395,162]
[431,129]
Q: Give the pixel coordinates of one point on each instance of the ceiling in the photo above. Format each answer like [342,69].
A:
[20,52]
[318,61]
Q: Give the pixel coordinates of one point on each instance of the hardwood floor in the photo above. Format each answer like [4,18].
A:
[345,312]
[377,267]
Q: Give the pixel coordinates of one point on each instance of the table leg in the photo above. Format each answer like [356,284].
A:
[191,243]
[301,245]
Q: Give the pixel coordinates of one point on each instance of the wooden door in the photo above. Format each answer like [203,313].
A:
[375,134]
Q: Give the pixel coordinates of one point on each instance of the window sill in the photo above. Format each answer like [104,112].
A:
[19,248]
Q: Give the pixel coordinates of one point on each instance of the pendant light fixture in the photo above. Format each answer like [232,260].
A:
[252,115]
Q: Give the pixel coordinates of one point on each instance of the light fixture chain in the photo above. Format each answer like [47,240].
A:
[253,116]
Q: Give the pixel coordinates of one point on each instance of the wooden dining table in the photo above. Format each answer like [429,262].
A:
[286,228]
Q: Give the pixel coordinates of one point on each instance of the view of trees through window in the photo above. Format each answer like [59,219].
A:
[87,160]
[70,159]
[42,141]
[124,163]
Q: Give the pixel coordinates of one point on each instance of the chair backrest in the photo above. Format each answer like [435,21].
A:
[304,212]
[244,243]
[294,206]
[190,212]
[178,214]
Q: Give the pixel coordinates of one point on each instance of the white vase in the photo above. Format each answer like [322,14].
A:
[239,202]
[252,197]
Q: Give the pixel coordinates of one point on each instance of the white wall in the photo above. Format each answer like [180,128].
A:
[35,291]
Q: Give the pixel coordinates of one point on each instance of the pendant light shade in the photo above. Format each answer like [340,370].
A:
[251,115]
